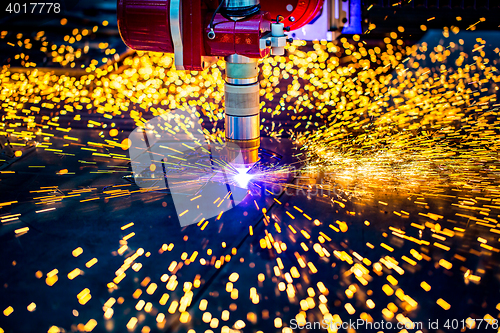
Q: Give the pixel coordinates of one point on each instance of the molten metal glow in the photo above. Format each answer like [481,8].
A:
[242,177]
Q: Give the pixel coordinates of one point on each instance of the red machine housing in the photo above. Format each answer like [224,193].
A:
[238,37]
[303,12]
[145,25]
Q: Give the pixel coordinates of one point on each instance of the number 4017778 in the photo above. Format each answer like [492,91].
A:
[34,8]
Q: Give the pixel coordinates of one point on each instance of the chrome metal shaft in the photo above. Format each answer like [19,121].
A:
[242,105]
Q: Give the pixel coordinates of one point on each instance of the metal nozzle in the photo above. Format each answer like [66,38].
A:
[243,154]
[242,106]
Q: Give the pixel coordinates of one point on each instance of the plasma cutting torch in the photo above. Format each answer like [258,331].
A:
[198,32]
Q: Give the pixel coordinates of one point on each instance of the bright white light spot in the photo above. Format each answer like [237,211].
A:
[242,178]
